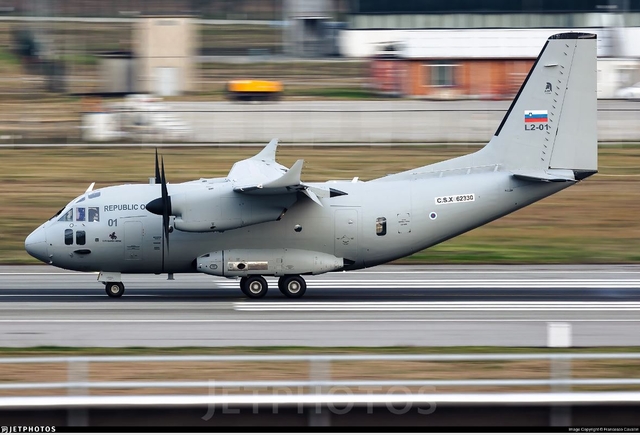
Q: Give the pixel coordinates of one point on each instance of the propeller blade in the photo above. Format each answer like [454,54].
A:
[166,205]
[158,179]
[163,183]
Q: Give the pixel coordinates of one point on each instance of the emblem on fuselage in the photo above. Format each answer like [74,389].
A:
[113,236]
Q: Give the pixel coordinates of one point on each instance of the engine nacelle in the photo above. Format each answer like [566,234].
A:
[221,209]
[270,262]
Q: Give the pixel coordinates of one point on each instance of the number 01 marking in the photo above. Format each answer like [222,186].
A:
[112,222]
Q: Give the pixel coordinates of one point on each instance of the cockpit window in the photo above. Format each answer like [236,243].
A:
[94,195]
[81,199]
[67,217]
[80,214]
[94,214]
[57,214]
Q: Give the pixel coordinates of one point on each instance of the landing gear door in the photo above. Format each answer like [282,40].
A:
[346,234]
[133,240]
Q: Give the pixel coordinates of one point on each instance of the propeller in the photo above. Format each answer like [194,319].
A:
[162,206]
[158,179]
[166,205]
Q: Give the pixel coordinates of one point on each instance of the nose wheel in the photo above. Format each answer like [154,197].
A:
[114,289]
[292,286]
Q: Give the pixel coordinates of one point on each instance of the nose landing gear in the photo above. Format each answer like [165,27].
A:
[114,289]
[112,283]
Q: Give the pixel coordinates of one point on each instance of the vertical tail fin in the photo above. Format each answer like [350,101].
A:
[551,124]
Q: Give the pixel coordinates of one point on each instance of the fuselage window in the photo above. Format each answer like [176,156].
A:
[81,238]
[68,237]
[94,214]
[81,199]
[381,226]
[67,217]
[80,214]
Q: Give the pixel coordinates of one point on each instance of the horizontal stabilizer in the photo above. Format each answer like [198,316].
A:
[546,176]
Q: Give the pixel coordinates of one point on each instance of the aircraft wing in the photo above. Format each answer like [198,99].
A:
[262,175]
[257,169]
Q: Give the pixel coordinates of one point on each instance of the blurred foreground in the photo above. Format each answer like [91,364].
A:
[298,388]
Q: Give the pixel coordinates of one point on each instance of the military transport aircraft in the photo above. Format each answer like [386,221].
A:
[262,220]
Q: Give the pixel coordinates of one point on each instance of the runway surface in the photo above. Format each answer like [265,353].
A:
[383,306]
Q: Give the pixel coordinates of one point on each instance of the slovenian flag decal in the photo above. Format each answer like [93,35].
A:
[536,116]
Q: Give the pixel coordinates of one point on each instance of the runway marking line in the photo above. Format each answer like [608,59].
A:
[466,306]
[518,320]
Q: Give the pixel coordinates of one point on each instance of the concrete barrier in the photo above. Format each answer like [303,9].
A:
[375,121]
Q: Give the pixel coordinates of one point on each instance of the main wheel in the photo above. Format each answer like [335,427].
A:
[255,287]
[114,289]
[292,286]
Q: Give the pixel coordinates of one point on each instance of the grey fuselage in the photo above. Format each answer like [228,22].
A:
[375,222]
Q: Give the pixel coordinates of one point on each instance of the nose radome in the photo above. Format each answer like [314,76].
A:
[36,244]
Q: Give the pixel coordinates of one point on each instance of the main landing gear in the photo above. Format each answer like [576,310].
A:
[292,286]
[255,286]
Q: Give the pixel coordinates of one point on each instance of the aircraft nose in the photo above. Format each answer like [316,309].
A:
[36,244]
